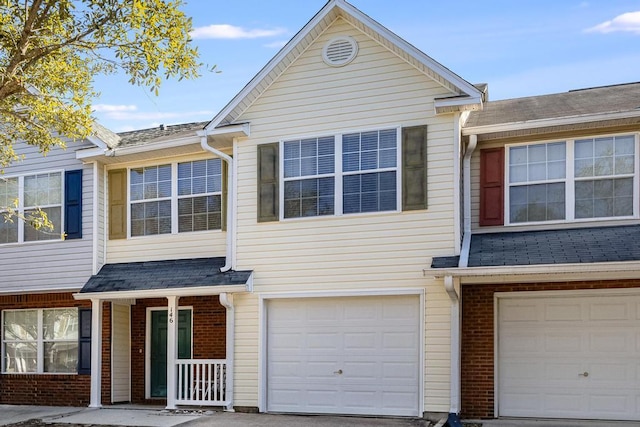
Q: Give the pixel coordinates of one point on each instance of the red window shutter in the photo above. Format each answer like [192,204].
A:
[492,186]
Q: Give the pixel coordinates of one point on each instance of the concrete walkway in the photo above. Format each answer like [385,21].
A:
[515,422]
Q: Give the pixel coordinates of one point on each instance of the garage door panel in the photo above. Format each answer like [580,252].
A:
[364,361]
[580,360]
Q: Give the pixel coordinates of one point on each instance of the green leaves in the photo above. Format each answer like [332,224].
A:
[50,51]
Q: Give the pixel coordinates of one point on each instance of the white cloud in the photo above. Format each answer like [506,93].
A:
[156,116]
[226,31]
[627,22]
[108,108]
[277,44]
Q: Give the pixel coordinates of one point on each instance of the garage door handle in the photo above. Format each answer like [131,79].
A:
[339,372]
[584,374]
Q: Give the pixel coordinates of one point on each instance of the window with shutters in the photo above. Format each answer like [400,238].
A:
[175,198]
[40,341]
[25,195]
[572,180]
[348,173]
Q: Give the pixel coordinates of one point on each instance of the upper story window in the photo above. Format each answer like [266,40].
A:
[176,198]
[40,341]
[26,194]
[341,174]
[573,179]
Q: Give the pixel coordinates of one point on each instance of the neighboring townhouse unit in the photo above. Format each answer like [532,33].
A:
[288,237]
[549,267]
[45,351]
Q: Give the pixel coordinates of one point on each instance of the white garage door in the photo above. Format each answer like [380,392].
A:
[569,357]
[344,355]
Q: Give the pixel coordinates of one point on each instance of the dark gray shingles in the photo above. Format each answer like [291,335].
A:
[160,133]
[573,246]
[183,273]
[607,99]
[445,262]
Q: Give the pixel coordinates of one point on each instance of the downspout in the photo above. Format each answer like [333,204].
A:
[227,302]
[229,160]
[454,409]
[466,190]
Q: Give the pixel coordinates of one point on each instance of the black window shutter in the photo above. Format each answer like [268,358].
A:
[84,341]
[268,182]
[414,168]
[225,193]
[73,204]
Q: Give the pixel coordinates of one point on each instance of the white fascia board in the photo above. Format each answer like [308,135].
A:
[161,293]
[458,101]
[90,153]
[271,64]
[541,123]
[440,69]
[97,142]
[21,291]
[544,272]
[244,129]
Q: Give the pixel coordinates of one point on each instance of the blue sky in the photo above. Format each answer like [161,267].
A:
[519,47]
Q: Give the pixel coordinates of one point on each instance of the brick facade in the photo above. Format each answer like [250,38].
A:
[209,337]
[45,389]
[477,368]
[209,342]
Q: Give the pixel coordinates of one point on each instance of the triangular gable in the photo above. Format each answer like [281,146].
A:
[460,89]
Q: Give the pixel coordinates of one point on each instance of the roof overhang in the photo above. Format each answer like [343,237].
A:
[457,104]
[333,10]
[553,124]
[223,137]
[541,273]
[163,293]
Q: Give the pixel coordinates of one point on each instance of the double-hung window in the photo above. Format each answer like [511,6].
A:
[341,174]
[176,198]
[26,194]
[573,179]
[40,341]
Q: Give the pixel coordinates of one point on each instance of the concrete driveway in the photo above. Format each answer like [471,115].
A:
[155,417]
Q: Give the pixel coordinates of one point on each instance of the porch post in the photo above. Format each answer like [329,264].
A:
[227,301]
[96,353]
[172,350]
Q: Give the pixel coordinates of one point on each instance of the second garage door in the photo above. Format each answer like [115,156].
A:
[569,357]
[344,355]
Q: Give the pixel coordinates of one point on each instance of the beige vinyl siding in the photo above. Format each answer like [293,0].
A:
[355,253]
[50,265]
[475,179]
[200,244]
[120,353]
[101,243]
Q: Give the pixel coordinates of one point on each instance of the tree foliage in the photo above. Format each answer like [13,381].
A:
[51,50]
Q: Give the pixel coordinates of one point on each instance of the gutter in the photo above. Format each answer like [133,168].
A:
[466,190]
[450,287]
[230,179]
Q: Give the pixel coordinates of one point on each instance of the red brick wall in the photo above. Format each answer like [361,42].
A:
[477,368]
[209,336]
[43,389]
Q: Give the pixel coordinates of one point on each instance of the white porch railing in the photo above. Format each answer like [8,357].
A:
[202,382]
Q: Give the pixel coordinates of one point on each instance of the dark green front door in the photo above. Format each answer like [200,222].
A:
[159,347]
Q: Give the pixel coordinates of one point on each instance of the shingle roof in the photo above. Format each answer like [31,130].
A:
[606,99]
[572,246]
[183,273]
[158,134]
[105,135]
[445,262]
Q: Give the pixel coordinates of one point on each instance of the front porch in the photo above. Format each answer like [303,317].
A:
[163,338]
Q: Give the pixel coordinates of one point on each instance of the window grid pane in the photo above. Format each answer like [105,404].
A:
[54,331]
[308,191]
[367,152]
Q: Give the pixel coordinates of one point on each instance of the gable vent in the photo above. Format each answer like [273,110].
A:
[340,51]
